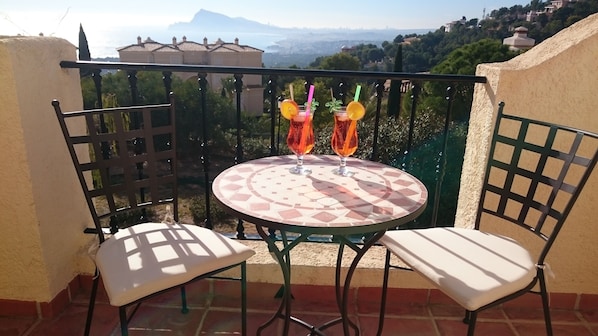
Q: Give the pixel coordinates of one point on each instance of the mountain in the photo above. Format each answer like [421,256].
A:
[280,40]
[207,21]
[282,46]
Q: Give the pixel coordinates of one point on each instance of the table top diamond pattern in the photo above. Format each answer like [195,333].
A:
[264,192]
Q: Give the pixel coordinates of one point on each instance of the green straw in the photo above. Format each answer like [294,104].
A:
[357,92]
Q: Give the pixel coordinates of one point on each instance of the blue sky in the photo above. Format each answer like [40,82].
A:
[61,18]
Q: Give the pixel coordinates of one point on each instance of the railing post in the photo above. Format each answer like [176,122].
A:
[274,150]
[239,146]
[167,80]
[415,89]
[379,95]
[342,91]
[97,80]
[238,94]
[308,82]
[138,143]
[441,166]
[203,84]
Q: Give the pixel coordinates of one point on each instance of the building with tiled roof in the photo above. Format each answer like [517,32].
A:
[219,53]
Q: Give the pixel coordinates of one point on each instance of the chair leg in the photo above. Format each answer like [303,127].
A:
[124,327]
[472,317]
[184,308]
[92,302]
[243,298]
[384,294]
[545,302]
[467,317]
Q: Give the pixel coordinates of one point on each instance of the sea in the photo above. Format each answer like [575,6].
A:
[107,43]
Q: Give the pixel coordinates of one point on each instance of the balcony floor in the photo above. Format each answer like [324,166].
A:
[214,311]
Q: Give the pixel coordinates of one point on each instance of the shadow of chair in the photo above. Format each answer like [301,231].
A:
[534,175]
[126,162]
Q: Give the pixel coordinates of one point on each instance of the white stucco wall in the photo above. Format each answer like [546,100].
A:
[556,81]
[42,211]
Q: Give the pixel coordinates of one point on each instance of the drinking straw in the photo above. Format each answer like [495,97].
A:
[305,129]
[291,91]
[357,92]
[353,123]
[310,97]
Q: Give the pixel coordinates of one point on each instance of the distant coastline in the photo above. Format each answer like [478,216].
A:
[281,46]
[300,41]
[270,39]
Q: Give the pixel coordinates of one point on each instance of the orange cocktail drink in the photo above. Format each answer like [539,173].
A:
[344,137]
[301,134]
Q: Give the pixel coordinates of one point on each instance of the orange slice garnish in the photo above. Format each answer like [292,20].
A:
[355,110]
[289,109]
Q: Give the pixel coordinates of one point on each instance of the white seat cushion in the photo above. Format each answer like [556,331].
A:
[472,267]
[146,258]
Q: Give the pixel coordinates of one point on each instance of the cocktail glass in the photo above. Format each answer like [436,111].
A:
[344,140]
[301,139]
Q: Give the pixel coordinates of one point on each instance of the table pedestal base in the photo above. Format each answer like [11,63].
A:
[342,286]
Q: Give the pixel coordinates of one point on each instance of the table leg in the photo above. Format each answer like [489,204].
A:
[284,260]
[343,287]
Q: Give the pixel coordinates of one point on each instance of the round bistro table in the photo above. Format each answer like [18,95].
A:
[375,198]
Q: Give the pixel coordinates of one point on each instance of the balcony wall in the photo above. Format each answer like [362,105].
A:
[555,81]
[42,210]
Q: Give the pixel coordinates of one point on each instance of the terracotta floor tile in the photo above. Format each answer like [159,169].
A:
[458,328]
[72,322]
[398,326]
[151,320]
[563,300]
[525,301]
[588,302]
[590,315]
[404,310]
[198,294]
[316,319]
[438,297]
[15,326]
[319,299]
[444,310]
[556,315]
[538,328]
[451,327]
[411,302]
[215,310]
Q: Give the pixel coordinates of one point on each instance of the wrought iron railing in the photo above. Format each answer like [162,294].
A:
[413,83]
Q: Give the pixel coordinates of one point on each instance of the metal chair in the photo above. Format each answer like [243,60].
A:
[534,175]
[126,162]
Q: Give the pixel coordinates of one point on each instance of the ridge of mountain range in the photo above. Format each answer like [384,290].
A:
[284,40]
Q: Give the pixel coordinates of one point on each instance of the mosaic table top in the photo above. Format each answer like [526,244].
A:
[376,197]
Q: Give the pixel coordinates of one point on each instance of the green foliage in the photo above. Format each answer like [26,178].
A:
[394,95]
[463,61]
[197,207]
[430,49]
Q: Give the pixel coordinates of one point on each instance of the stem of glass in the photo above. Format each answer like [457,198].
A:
[299,169]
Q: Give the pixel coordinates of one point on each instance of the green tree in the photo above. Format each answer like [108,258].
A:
[340,61]
[463,61]
[394,95]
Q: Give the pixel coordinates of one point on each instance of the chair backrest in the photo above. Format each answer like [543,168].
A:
[535,173]
[125,158]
